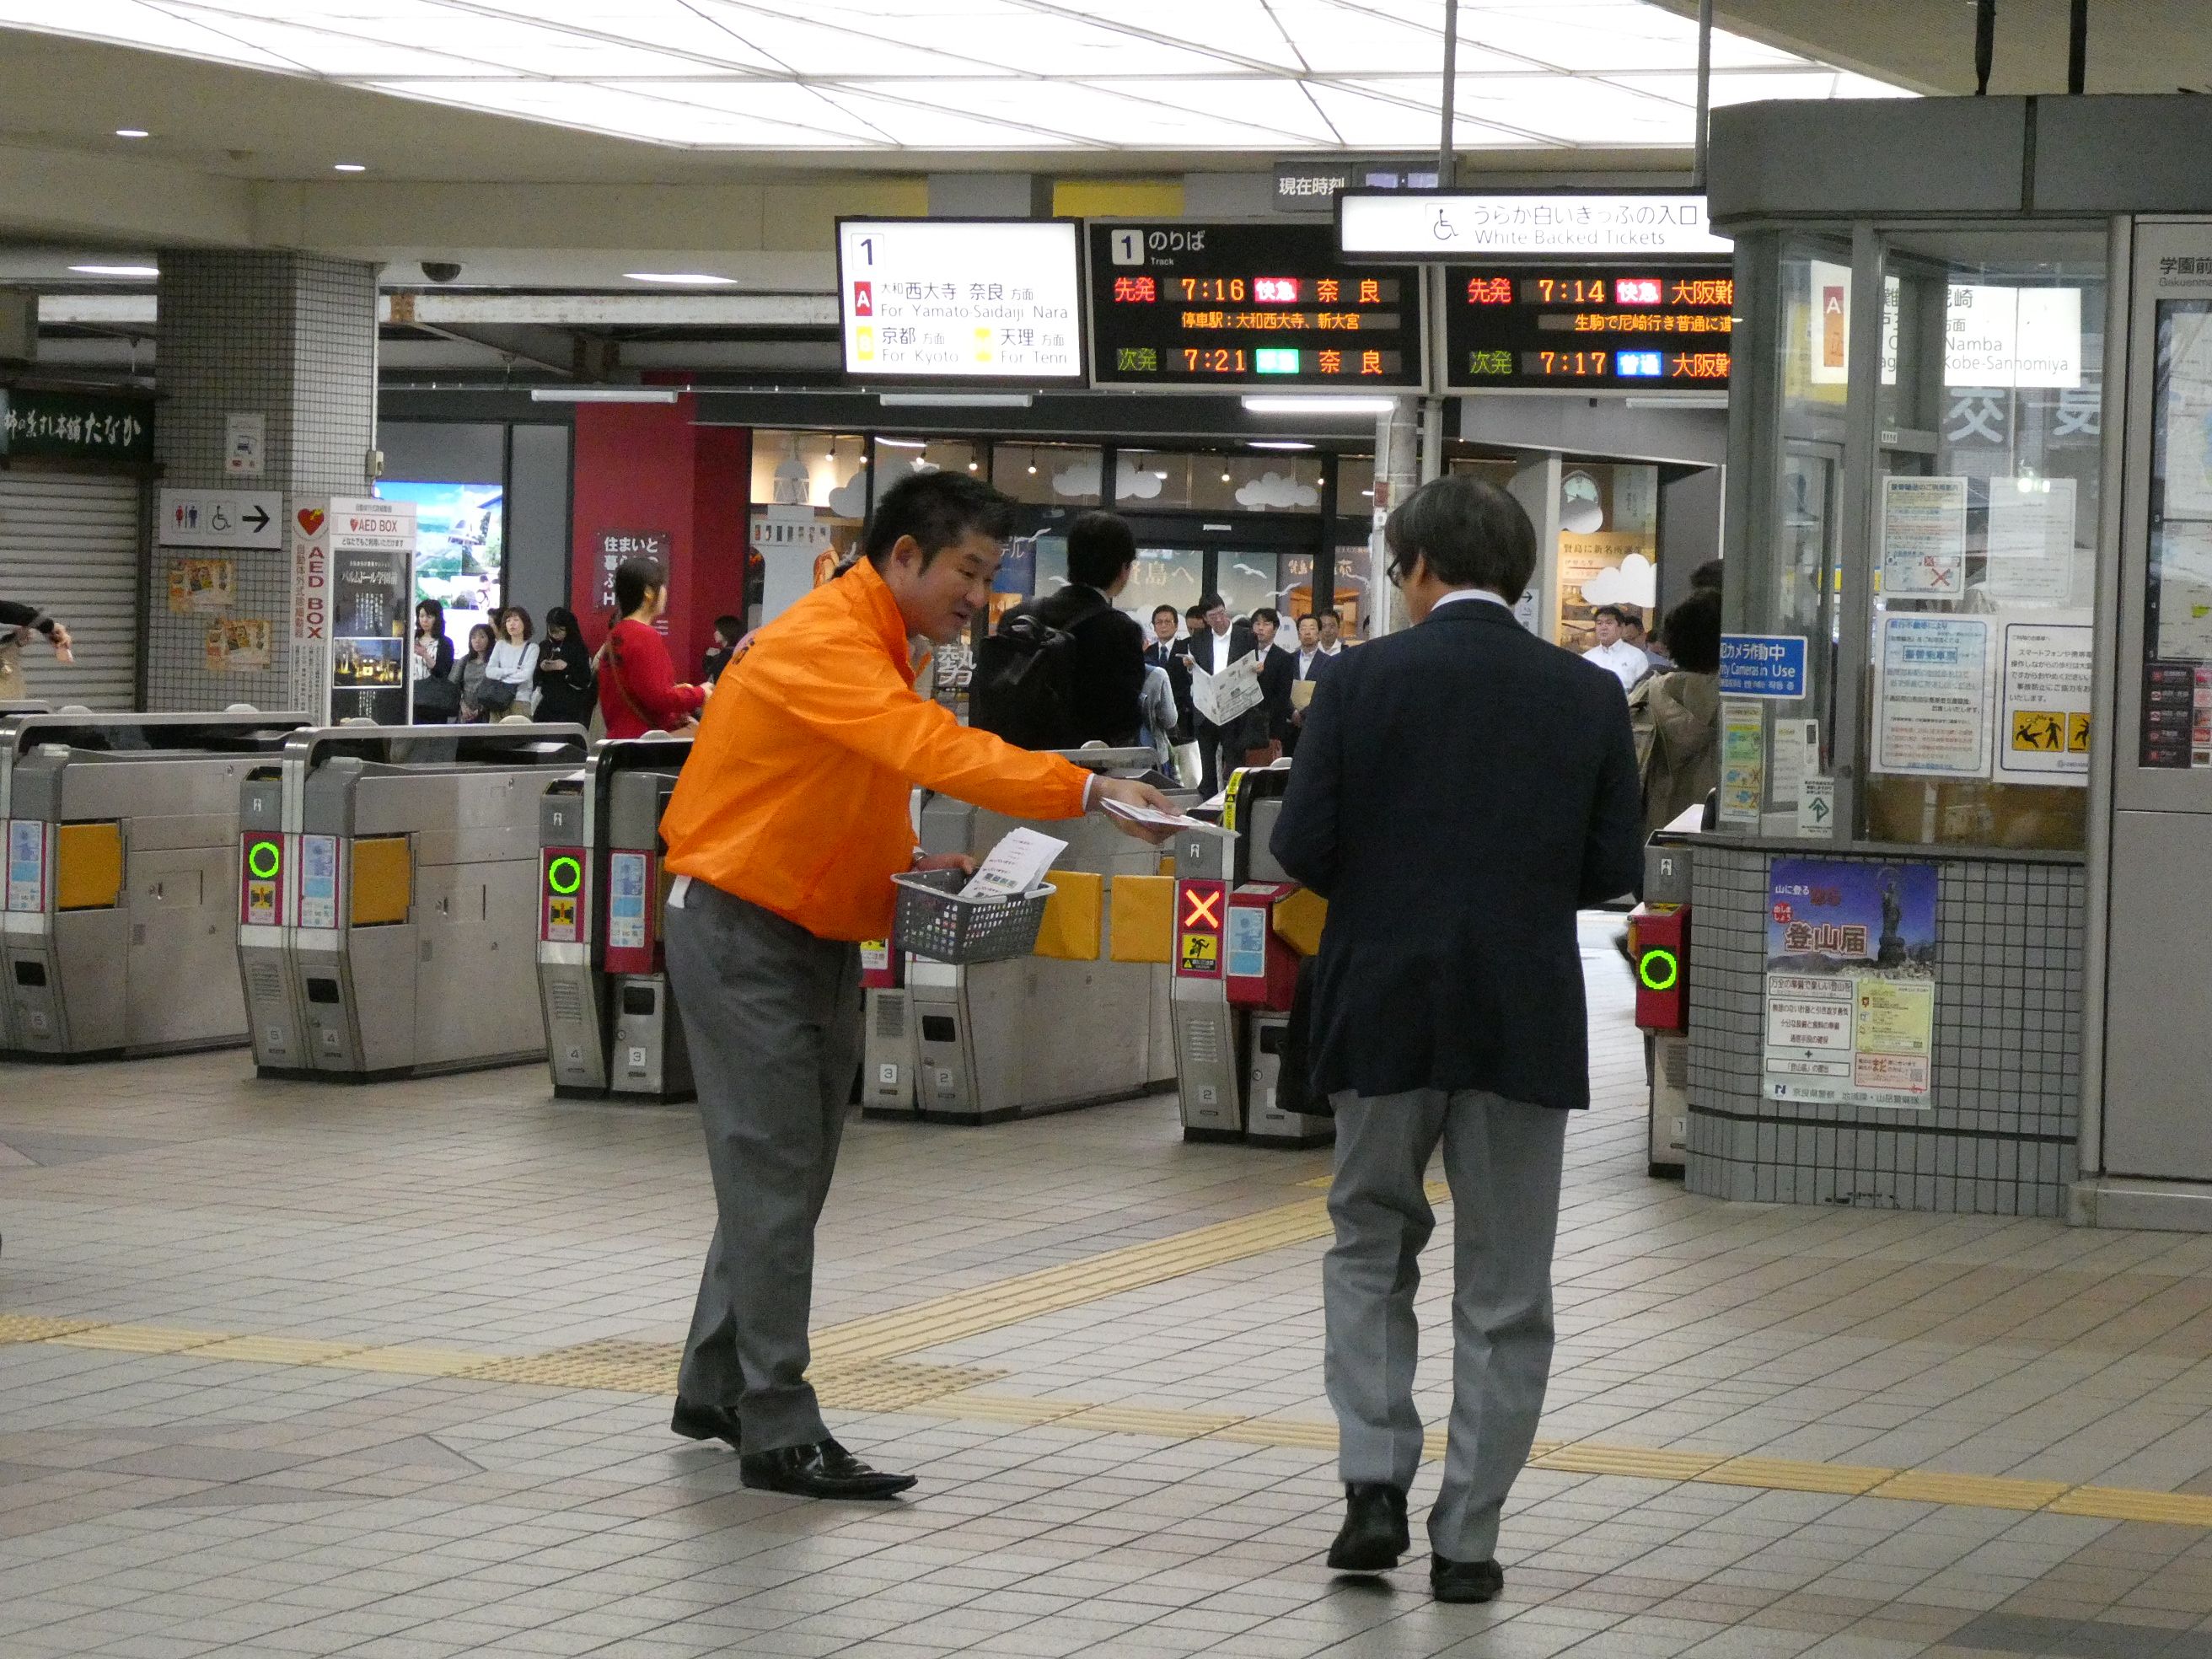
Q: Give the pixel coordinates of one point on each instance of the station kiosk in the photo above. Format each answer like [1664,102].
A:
[1241,927]
[122,879]
[1083,1021]
[611,1021]
[389,902]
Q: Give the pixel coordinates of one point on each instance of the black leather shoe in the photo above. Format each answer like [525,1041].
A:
[697,1422]
[1374,1534]
[1465,1581]
[824,1469]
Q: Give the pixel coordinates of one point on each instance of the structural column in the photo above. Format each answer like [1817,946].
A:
[1397,475]
[268,382]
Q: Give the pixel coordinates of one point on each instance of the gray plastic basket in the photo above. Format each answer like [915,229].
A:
[934,921]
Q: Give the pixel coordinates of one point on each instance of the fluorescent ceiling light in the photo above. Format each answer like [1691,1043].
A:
[1293,404]
[1276,443]
[132,132]
[957,400]
[117,270]
[902,443]
[682,278]
[603,394]
[347,167]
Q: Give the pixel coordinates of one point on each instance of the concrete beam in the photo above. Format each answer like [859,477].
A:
[68,194]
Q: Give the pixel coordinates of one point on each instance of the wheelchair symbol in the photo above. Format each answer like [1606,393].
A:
[1443,230]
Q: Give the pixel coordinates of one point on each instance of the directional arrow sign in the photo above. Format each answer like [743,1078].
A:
[220,518]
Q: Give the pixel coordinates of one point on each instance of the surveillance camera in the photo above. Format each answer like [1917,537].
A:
[441,271]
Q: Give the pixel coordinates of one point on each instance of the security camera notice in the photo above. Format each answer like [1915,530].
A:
[959,300]
[1850,983]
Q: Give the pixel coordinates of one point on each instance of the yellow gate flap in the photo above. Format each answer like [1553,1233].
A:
[88,866]
[1072,916]
[1144,919]
[1298,920]
[383,880]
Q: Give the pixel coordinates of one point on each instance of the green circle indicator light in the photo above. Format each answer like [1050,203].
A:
[1659,970]
[564,875]
[263,859]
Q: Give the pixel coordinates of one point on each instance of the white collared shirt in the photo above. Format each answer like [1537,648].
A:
[1623,661]
[1306,660]
[1458,593]
[1217,647]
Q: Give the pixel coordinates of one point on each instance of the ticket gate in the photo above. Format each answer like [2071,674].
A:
[1242,926]
[122,879]
[389,899]
[1659,952]
[1079,1023]
[611,1023]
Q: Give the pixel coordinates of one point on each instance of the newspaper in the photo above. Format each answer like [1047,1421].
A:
[1017,865]
[1152,817]
[1220,698]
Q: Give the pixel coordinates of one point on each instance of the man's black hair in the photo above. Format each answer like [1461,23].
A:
[1707,576]
[1309,617]
[1211,602]
[1196,613]
[1159,610]
[1100,547]
[1266,613]
[1619,616]
[1693,632]
[937,509]
[1329,613]
[730,628]
[1471,533]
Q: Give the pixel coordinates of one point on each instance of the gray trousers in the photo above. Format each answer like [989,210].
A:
[772,1015]
[1502,1162]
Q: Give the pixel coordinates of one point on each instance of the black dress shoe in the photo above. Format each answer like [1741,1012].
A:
[697,1422]
[1374,1533]
[824,1469]
[1465,1581]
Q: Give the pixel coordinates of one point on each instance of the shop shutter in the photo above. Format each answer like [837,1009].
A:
[69,541]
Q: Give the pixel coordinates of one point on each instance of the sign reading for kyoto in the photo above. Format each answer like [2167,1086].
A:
[961,299]
[1850,983]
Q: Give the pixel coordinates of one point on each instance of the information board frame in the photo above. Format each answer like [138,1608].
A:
[1416,352]
[1671,338]
[1080,380]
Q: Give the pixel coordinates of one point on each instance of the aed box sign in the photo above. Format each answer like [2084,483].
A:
[352,575]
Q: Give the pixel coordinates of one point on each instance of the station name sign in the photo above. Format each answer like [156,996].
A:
[961,300]
[1233,306]
[1458,225]
[1615,325]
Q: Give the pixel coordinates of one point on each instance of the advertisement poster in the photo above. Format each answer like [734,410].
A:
[372,605]
[1850,983]
[461,548]
[1743,762]
[1932,715]
[239,645]
[2043,680]
[617,545]
[1923,538]
[201,587]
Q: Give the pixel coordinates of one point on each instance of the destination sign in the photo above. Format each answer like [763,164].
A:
[1652,325]
[961,299]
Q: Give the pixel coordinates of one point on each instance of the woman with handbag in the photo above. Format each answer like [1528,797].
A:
[437,697]
[513,665]
[566,687]
[471,675]
[638,689]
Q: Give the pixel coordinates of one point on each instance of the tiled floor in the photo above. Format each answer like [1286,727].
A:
[237,1321]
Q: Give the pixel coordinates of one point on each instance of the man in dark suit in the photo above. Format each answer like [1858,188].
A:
[1163,651]
[1461,789]
[1213,648]
[1307,663]
[1108,672]
[1275,675]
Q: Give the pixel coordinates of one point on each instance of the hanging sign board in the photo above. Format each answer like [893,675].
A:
[1460,225]
[1617,325]
[961,300]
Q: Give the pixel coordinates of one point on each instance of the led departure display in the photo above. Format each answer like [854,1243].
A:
[1615,326]
[1245,305]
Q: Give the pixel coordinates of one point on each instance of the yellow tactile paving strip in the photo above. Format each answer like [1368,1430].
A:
[948,1391]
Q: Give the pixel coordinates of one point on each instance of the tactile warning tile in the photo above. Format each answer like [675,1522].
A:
[401,1360]
[1588,1457]
[1002,1408]
[1781,1475]
[41,1328]
[1138,1419]
[611,1364]
[277,1350]
[890,1385]
[139,1339]
[2115,1504]
[1978,1491]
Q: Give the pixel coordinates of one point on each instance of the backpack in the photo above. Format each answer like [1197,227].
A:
[1023,688]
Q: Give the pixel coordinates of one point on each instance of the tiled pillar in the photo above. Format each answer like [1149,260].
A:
[290,337]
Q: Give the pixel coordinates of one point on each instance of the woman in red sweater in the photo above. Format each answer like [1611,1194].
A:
[638,689]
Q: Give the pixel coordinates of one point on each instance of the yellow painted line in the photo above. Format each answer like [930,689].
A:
[1782,1475]
[138,1339]
[2122,1503]
[1589,1457]
[404,1360]
[1981,1492]
[278,1350]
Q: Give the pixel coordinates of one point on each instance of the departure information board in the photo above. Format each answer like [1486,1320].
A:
[961,299]
[1239,306]
[1614,327]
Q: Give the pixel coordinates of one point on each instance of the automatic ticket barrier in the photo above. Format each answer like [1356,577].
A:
[610,1022]
[122,879]
[1659,952]
[1242,926]
[1082,1021]
[389,897]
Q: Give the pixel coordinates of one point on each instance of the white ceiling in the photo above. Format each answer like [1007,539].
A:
[877,77]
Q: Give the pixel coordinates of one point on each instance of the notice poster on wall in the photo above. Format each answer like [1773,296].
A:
[1923,538]
[201,587]
[2030,545]
[1932,716]
[239,645]
[1850,983]
[2044,679]
[1743,762]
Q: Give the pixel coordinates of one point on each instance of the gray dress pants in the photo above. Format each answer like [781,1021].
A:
[771,1015]
[1502,1162]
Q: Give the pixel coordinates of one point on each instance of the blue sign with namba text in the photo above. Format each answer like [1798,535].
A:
[1763,664]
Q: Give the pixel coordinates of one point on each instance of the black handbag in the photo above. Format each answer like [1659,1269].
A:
[495,697]
[1294,1090]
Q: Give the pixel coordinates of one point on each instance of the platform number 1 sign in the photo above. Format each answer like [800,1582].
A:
[1128,247]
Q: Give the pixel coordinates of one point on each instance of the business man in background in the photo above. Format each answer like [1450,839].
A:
[1461,789]
[1217,643]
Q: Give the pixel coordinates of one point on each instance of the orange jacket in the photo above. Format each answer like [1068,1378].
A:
[795,795]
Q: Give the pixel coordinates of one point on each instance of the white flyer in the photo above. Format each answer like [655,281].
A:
[1153,817]
[2031,541]
[2046,674]
[1932,705]
[1923,538]
[1220,698]
[1016,865]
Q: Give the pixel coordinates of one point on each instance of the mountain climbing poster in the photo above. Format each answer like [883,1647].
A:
[1850,983]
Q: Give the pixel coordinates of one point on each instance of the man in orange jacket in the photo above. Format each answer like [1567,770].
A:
[786,828]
